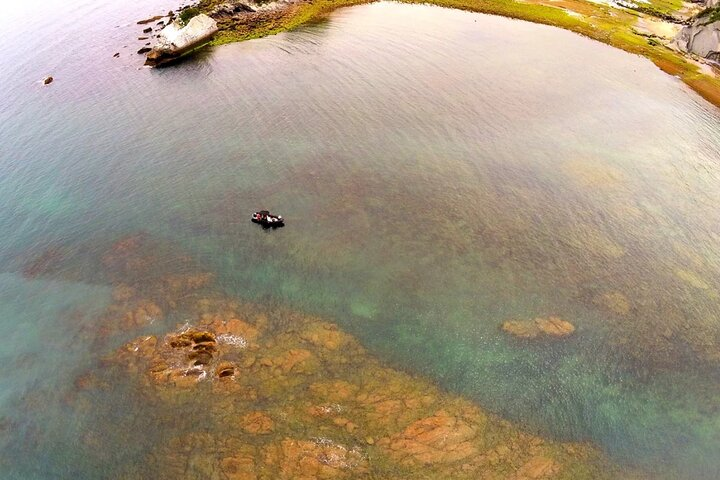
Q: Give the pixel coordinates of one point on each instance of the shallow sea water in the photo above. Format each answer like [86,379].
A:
[441,172]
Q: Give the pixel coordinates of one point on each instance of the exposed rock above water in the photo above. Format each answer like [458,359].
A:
[231,8]
[150,20]
[176,38]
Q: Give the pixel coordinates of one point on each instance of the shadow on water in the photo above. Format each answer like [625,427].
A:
[192,60]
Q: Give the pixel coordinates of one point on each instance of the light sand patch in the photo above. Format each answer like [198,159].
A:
[592,240]
[691,278]
[658,28]
[590,173]
[615,302]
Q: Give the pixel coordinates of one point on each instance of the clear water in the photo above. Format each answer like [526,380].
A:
[440,171]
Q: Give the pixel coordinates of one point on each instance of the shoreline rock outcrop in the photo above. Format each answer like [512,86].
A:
[702,36]
[177,39]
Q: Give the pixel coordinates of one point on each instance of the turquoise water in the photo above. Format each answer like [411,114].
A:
[440,171]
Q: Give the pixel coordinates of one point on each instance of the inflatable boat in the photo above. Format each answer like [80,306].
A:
[265,218]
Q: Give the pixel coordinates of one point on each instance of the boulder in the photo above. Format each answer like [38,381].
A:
[701,37]
[176,39]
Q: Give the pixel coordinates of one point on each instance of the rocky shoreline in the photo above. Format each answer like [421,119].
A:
[682,42]
[702,36]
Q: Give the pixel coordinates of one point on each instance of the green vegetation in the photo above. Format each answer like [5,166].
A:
[665,7]
[656,12]
[187,13]
[710,15]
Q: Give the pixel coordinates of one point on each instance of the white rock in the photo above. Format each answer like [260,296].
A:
[176,39]
[701,39]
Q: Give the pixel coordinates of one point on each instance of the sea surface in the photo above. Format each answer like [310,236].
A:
[440,172]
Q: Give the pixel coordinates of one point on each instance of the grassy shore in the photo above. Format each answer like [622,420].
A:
[607,24]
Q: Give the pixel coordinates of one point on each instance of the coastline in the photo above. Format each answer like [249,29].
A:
[622,28]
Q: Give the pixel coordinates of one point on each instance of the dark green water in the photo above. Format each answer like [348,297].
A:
[440,171]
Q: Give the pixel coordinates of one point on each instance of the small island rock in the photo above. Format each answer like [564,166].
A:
[176,38]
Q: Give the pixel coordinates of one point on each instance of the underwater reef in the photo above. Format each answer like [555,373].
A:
[234,390]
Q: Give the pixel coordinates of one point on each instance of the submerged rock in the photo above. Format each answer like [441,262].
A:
[318,459]
[538,467]
[176,39]
[614,302]
[702,37]
[252,392]
[316,405]
[441,438]
[551,327]
[257,423]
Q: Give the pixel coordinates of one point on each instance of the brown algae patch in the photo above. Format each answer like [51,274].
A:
[539,327]
[614,302]
[593,173]
[691,278]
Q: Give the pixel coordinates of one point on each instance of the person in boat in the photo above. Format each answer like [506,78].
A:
[265,217]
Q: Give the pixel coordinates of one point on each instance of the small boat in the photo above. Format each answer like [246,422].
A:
[266,219]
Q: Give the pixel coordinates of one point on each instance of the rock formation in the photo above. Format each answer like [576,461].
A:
[294,397]
[243,391]
[702,36]
[177,39]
